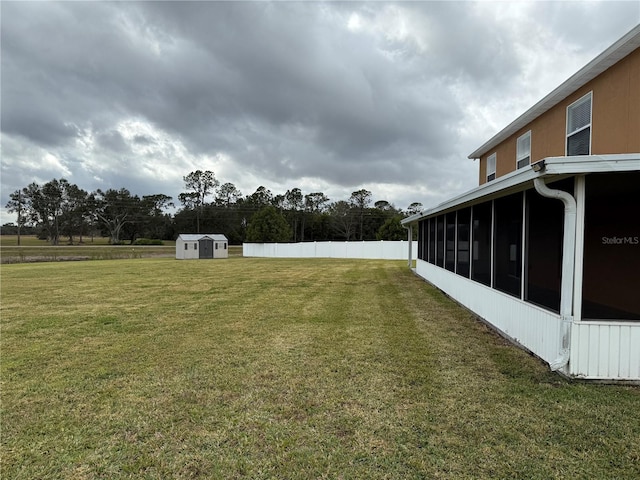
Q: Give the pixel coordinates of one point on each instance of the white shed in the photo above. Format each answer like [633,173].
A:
[201,245]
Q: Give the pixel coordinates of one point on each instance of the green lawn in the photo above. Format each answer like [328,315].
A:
[34,241]
[34,250]
[279,368]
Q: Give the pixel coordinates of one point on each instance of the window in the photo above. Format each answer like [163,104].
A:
[216,245]
[579,127]
[195,246]
[523,150]
[225,246]
[186,246]
[491,167]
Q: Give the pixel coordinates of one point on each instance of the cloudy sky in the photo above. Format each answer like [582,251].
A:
[323,96]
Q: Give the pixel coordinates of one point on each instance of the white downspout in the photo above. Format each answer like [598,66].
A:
[568,261]
[410,237]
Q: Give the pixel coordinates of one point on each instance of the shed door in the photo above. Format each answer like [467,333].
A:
[206,248]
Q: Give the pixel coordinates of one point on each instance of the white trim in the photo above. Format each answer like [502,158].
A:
[523,179]
[579,194]
[492,280]
[471,242]
[523,246]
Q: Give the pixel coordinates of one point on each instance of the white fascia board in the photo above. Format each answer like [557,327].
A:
[501,184]
[523,178]
[592,164]
[608,58]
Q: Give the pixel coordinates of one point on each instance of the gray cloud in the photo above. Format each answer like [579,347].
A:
[330,95]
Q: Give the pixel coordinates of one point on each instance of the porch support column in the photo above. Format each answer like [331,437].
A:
[410,240]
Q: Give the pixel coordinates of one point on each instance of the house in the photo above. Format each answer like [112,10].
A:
[547,248]
[201,245]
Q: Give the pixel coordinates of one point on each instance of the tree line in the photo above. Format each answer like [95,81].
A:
[61,210]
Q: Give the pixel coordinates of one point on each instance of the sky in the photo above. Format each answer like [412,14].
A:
[327,97]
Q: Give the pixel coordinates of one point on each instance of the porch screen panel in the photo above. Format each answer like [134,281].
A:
[425,239]
[611,285]
[421,239]
[440,241]
[508,244]
[432,240]
[450,232]
[481,261]
[545,225]
[462,264]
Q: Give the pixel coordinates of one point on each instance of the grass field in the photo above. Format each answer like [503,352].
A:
[279,368]
[33,241]
[32,249]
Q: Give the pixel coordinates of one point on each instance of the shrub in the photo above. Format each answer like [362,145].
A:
[148,241]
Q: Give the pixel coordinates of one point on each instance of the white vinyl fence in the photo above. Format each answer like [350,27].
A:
[373,250]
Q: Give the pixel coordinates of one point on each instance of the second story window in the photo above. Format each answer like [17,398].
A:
[579,127]
[491,167]
[523,151]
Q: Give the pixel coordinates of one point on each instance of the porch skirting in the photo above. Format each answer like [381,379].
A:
[599,350]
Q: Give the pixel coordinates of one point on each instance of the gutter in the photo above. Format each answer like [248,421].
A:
[568,264]
[522,178]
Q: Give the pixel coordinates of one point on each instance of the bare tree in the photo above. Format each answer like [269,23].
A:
[116,208]
[415,207]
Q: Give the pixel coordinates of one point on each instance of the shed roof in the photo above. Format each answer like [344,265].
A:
[608,58]
[194,237]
